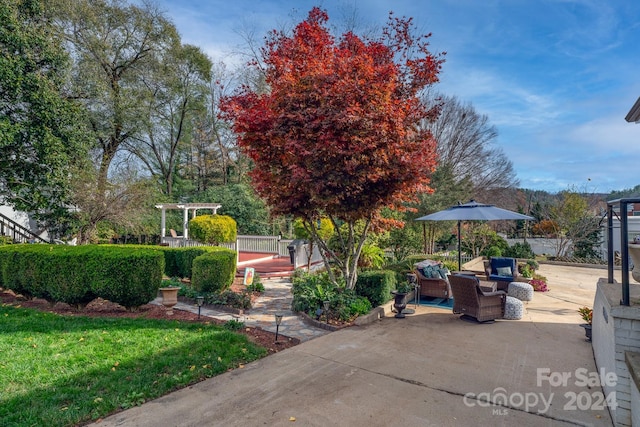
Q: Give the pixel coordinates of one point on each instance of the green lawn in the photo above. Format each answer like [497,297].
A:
[61,371]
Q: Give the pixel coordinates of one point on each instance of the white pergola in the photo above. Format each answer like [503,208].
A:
[185,208]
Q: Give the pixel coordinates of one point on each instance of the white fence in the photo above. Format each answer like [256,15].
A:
[263,244]
[259,244]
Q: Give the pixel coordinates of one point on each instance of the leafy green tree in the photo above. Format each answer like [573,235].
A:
[115,47]
[519,250]
[126,204]
[41,133]
[402,241]
[586,246]
[240,202]
[213,156]
[372,257]
[324,226]
[629,192]
[449,189]
[325,229]
[177,88]
[479,237]
[575,223]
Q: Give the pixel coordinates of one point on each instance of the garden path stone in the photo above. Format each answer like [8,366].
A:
[276,299]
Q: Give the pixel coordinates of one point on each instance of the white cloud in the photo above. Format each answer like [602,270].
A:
[503,99]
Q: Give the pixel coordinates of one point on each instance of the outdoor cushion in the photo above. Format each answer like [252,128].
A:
[431,272]
[502,267]
[504,271]
[432,269]
[426,263]
[435,272]
[497,262]
[444,273]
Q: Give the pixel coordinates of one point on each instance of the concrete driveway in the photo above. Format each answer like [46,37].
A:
[429,369]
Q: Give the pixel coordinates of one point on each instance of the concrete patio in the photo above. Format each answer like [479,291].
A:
[429,369]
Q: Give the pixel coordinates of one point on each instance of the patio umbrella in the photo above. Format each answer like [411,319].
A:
[472,211]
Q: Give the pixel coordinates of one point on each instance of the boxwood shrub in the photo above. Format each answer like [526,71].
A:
[376,285]
[129,276]
[137,279]
[213,229]
[214,271]
[178,261]
[18,270]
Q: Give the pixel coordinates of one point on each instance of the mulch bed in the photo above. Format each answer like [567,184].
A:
[103,308]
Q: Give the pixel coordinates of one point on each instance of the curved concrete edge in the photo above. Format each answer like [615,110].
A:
[318,324]
[375,315]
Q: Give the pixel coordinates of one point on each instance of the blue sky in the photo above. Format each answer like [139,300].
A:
[556,77]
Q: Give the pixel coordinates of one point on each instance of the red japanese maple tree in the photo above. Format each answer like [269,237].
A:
[338,134]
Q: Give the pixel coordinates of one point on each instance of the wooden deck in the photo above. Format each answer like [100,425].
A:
[266,265]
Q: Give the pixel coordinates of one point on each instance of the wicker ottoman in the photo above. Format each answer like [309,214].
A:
[522,291]
[513,309]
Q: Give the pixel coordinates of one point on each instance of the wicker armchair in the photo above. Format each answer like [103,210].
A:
[470,300]
[431,287]
[492,266]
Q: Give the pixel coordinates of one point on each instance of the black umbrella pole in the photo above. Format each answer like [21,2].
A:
[459,251]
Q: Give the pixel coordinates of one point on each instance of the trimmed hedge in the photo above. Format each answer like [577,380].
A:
[178,261]
[213,229]
[376,285]
[214,271]
[129,276]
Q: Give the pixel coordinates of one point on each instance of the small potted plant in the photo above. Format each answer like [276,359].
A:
[587,315]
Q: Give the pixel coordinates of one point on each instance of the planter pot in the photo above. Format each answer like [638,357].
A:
[634,253]
[399,303]
[587,331]
[169,299]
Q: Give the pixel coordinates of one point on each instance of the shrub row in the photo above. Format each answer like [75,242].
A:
[178,262]
[210,268]
[129,276]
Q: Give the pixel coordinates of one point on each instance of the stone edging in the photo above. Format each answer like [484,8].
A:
[374,315]
[318,324]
